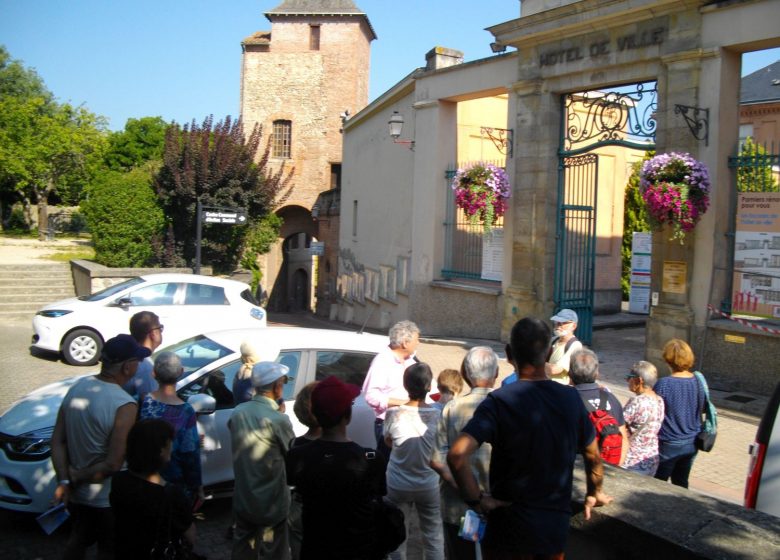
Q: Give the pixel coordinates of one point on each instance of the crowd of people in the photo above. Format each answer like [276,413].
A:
[504,457]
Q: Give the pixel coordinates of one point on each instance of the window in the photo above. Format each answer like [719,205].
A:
[349,367]
[281,139]
[335,175]
[354,217]
[156,294]
[314,37]
[203,294]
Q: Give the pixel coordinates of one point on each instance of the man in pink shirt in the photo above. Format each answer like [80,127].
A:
[384,384]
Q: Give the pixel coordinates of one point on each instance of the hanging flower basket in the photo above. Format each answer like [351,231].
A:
[676,190]
[482,191]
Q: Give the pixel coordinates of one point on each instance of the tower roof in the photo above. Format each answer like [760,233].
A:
[762,85]
[319,8]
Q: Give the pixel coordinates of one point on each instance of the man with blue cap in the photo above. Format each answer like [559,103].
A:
[88,444]
[563,345]
[260,435]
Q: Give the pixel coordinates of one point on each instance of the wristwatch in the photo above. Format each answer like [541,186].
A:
[474,503]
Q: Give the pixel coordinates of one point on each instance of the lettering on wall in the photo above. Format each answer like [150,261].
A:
[632,41]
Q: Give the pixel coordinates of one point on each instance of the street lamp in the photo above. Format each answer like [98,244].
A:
[396,125]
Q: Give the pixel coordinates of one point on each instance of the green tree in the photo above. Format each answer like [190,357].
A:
[634,219]
[259,240]
[48,150]
[142,140]
[754,171]
[215,163]
[125,218]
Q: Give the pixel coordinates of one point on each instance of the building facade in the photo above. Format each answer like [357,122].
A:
[296,81]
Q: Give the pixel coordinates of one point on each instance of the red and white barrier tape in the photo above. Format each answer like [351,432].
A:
[743,321]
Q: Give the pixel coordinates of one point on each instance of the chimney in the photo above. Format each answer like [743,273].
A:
[442,57]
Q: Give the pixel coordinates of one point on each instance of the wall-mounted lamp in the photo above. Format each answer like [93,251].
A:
[497,47]
[396,124]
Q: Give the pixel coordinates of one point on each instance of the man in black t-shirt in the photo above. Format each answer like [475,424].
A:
[536,427]
[337,480]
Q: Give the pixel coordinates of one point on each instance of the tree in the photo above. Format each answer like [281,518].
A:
[142,140]
[635,218]
[215,163]
[47,149]
[754,169]
[125,218]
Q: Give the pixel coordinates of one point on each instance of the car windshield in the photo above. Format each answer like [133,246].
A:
[198,352]
[111,290]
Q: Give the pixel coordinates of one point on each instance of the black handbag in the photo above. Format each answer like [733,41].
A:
[390,525]
[705,439]
[166,546]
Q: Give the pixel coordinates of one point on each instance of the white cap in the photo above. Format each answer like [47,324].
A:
[265,373]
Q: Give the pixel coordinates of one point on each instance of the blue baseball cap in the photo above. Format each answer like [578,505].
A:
[565,316]
[121,348]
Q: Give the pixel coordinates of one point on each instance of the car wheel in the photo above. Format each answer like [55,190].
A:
[82,347]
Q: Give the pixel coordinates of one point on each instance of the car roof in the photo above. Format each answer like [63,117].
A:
[194,278]
[299,337]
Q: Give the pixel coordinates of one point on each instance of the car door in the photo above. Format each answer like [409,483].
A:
[157,297]
[216,455]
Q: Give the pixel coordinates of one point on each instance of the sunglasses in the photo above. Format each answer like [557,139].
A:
[161,328]
[631,376]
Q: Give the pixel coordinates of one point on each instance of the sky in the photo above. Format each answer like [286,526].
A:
[181,59]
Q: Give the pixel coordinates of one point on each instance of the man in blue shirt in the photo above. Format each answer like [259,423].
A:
[536,428]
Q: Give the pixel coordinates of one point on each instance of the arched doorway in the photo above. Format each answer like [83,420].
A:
[602,133]
[290,266]
[300,291]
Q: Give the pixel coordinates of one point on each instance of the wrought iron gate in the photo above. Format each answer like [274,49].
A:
[575,261]
[622,117]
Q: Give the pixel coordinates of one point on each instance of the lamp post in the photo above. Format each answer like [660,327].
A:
[396,125]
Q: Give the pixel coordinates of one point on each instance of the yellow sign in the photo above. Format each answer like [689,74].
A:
[734,338]
[675,275]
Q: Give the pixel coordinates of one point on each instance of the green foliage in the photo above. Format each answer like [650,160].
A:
[635,218]
[77,223]
[754,171]
[259,239]
[142,140]
[123,215]
[17,221]
[215,163]
[47,149]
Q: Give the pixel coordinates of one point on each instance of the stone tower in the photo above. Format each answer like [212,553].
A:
[296,81]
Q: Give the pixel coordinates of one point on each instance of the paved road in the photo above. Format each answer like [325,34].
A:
[719,473]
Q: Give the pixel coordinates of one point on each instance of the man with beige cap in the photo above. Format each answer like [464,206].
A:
[260,435]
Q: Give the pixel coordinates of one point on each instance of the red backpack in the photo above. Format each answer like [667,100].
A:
[608,434]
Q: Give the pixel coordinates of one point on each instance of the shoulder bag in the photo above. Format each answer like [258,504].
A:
[705,439]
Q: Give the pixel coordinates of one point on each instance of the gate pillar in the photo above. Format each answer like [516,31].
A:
[528,289]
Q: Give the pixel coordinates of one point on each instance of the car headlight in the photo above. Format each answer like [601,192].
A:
[257,313]
[54,312]
[32,446]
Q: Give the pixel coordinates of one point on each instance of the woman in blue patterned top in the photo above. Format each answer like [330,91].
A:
[684,404]
[164,403]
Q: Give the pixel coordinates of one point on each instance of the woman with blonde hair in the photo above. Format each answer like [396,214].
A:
[684,401]
[242,384]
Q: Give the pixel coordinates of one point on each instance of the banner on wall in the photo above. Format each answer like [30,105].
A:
[639,294]
[493,255]
[756,285]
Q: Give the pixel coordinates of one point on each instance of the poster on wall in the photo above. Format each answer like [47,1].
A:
[639,294]
[756,285]
[493,255]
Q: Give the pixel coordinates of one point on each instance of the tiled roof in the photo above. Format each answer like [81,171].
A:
[319,8]
[761,85]
[258,38]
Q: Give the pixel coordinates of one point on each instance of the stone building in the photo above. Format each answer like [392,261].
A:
[672,68]
[296,81]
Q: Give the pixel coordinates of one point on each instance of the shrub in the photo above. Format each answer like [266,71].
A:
[125,219]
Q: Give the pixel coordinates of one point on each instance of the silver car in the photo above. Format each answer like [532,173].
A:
[210,362]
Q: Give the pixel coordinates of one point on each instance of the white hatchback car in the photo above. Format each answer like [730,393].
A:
[187,304]
[210,362]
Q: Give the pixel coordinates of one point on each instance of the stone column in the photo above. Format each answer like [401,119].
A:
[533,204]
[678,84]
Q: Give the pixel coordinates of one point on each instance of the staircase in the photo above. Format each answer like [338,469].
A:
[25,288]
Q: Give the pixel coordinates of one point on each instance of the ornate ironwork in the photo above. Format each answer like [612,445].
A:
[698,122]
[503,139]
[598,117]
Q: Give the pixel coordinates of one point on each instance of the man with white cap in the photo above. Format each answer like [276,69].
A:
[260,435]
[564,344]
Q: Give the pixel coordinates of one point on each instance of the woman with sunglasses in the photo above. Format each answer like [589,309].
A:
[644,415]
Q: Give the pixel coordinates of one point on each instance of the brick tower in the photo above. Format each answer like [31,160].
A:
[296,81]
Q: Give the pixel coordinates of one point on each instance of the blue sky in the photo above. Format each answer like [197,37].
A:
[180,59]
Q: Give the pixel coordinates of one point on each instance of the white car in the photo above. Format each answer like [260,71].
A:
[187,304]
[211,361]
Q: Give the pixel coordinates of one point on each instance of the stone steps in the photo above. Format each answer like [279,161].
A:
[24,289]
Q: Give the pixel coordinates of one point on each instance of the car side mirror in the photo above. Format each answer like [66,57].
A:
[202,403]
[123,302]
